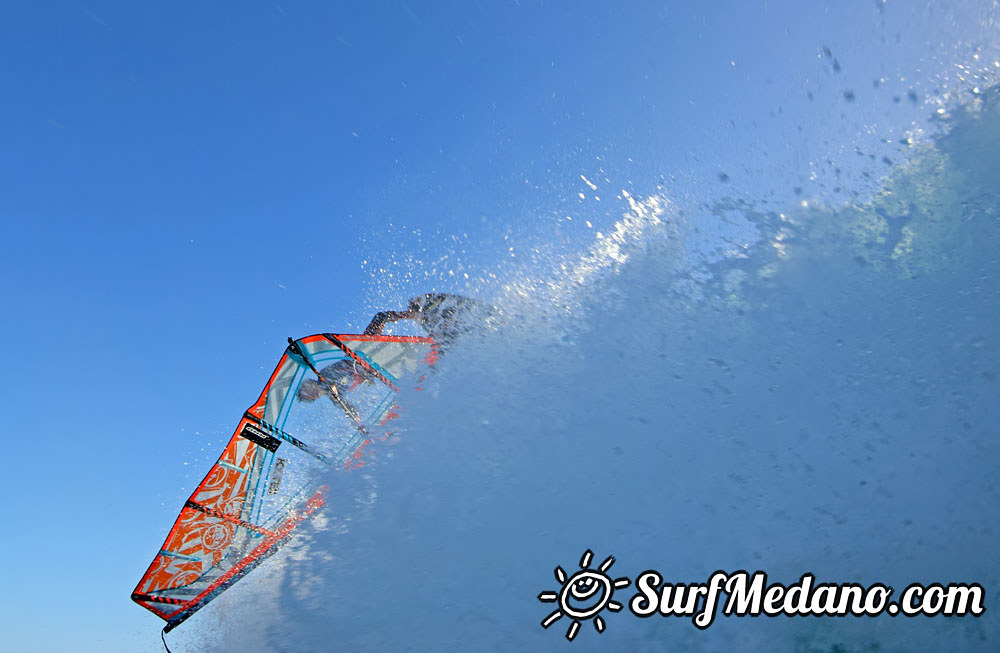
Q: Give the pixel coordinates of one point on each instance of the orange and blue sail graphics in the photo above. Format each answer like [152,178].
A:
[265,483]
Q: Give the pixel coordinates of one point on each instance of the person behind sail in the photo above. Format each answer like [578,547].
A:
[443,316]
[340,377]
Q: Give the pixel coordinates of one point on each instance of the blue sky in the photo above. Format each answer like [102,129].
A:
[183,185]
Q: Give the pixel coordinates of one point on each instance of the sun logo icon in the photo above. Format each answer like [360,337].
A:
[583,595]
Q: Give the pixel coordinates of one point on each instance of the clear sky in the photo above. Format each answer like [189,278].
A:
[184,184]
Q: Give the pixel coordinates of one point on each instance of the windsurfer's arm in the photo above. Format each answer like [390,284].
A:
[381,319]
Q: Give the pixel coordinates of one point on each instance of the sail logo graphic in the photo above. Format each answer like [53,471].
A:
[584,595]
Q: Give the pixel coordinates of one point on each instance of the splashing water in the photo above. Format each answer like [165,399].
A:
[806,391]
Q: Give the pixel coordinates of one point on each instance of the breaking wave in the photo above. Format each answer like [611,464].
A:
[806,390]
